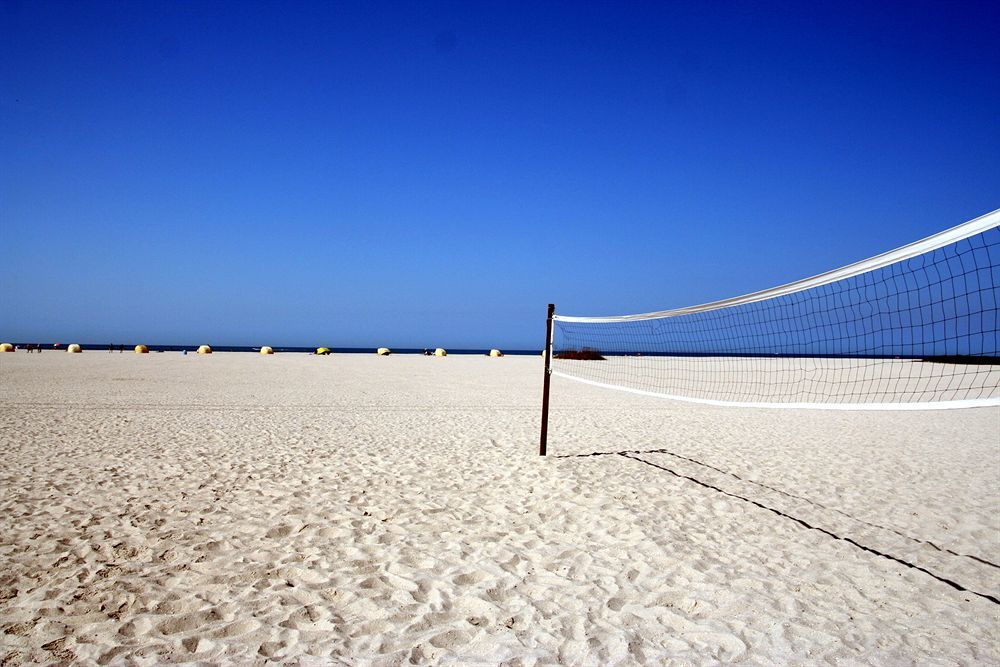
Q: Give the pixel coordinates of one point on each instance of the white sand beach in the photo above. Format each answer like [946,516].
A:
[366,510]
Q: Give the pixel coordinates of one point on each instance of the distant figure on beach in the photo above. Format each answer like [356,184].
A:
[121,348]
[427,352]
[111,348]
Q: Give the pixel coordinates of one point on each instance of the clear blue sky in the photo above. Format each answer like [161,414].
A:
[422,174]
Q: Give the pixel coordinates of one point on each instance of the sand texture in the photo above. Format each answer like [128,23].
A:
[365,510]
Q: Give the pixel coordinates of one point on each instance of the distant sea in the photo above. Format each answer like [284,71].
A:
[242,348]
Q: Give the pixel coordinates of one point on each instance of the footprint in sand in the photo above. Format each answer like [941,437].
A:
[184,623]
[450,639]
[237,628]
[136,628]
[469,578]
[197,644]
[283,530]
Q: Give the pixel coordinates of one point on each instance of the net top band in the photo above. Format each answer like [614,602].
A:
[939,240]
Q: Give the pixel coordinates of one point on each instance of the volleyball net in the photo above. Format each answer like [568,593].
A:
[914,328]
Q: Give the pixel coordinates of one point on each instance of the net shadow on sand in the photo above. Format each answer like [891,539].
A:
[635,455]
[827,508]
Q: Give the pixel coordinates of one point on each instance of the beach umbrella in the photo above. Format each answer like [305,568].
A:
[496,353]
[384,352]
[141,349]
[440,352]
[74,348]
[205,349]
[266,350]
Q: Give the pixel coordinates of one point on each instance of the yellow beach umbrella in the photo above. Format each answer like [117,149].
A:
[266,350]
[496,353]
[74,348]
[440,352]
[322,350]
[141,349]
[6,347]
[205,349]
[383,352]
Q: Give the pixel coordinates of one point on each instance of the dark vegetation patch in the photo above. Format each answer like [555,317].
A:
[964,359]
[585,354]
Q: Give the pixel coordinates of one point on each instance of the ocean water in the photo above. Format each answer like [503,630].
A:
[303,350]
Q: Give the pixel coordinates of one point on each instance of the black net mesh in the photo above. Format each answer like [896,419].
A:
[922,330]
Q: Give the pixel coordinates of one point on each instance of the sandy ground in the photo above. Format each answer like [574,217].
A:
[365,510]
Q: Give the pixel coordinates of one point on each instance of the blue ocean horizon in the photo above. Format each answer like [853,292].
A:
[128,347]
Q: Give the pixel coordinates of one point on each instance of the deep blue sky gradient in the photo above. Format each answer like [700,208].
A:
[422,174]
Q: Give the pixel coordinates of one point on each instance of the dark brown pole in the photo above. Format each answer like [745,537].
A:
[545,386]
